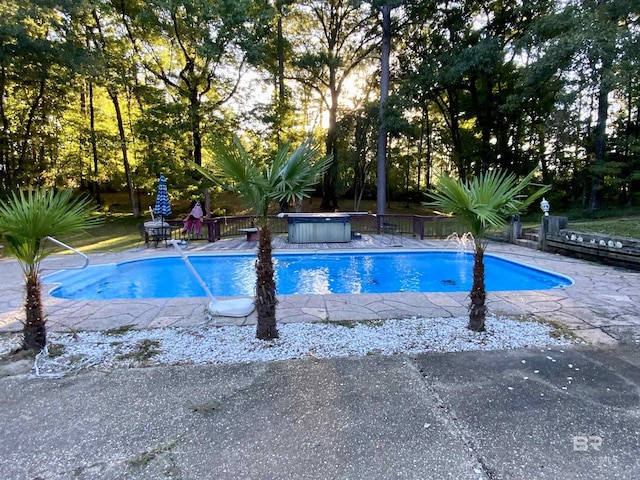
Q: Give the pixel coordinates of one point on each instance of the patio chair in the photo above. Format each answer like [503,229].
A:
[391,229]
[144,238]
[155,233]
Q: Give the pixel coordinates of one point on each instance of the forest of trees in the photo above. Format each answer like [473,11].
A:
[105,95]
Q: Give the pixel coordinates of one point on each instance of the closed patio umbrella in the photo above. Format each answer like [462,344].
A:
[162,207]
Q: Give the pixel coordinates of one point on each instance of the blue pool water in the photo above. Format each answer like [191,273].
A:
[234,275]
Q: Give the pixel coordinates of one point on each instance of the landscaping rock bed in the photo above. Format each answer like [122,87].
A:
[607,249]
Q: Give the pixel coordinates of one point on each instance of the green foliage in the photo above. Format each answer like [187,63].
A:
[26,219]
[196,49]
[325,58]
[485,201]
[289,177]
[479,85]
[39,58]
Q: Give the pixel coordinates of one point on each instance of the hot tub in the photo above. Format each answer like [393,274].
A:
[319,228]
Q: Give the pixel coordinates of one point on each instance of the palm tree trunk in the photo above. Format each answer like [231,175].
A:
[34,334]
[265,289]
[477,308]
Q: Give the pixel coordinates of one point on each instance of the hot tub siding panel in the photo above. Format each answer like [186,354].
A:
[317,232]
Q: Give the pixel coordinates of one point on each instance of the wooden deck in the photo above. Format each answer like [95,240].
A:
[280,242]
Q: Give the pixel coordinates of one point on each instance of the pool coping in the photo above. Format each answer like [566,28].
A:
[601,301]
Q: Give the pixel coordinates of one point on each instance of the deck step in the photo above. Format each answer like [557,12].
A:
[523,242]
[532,234]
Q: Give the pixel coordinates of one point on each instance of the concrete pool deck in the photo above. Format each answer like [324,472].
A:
[602,307]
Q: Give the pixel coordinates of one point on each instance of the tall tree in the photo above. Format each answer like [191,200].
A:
[468,59]
[604,25]
[358,139]
[381,197]
[276,62]
[110,49]
[198,49]
[39,57]
[326,56]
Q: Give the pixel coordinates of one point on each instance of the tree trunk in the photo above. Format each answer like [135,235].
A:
[266,300]
[427,176]
[281,105]
[601,136]
[330,182]
[123,146]
[381,201]
[34,333]
[195,120]
[5,165]
[26,138]
[542,147]
[425,131]
[453,112]
[360,165]
[477,307]
[94,146]
[483,116]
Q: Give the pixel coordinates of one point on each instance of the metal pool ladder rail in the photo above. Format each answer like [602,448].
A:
[64,245]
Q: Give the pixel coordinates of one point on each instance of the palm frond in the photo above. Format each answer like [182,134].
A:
[484,201]
[290,176]
[26,219]
[301,171]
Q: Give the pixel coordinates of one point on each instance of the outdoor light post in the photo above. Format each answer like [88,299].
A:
[544,206]
[544,229]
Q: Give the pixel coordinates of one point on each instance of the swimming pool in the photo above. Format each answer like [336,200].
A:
[300,273]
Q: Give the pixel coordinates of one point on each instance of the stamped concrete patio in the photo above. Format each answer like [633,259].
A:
[602,307]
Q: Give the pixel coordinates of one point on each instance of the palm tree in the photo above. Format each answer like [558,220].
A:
[483,202]
[26,220]
[289,177]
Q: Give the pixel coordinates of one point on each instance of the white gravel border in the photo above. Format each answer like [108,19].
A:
[232,344]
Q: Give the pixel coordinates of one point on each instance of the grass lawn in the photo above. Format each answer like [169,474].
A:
[622,227]
[119,232]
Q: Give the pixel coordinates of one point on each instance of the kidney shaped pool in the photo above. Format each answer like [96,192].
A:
[300,273]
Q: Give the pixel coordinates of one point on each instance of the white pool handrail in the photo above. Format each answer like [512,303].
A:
[64,245]
[237,307]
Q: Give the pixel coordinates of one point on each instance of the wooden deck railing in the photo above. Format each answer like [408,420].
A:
[420,226]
